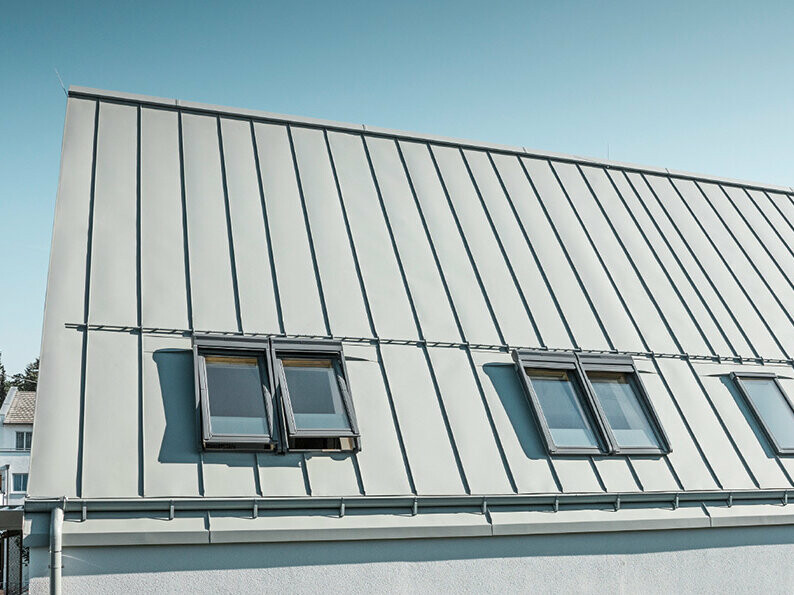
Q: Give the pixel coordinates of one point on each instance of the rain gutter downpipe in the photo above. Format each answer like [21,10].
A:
[56,541]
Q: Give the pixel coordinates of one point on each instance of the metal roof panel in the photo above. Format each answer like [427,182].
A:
[430,260]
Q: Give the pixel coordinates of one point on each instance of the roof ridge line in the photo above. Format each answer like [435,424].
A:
[78,91]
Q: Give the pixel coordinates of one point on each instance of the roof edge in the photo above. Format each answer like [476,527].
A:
[10,396]
[78,91]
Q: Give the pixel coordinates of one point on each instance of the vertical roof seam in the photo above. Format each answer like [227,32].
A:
[430,242]
[367,308]
[268,239]
[746,255]
[733,275]
[564,249]
[673,253]
[444,415]
[229,232]
[776,207]
[688,426]
[674,473]
[392,239]
[86,311]
[466,246]
[306,481]
[662,266]
[758,239]
[597,473]
[188,281]
[498,239]
[600,259]
[532,250]
[631,262]
[312,249]
[447,423]
[139,306]
[766,219]
[723,425]
[702,268]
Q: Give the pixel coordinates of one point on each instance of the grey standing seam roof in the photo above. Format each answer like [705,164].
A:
[430,259]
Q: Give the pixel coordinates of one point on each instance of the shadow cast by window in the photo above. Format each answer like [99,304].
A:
[508,387]
[181,442]
[741,403]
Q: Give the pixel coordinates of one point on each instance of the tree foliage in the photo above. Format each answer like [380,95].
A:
[5,384]
[29,379]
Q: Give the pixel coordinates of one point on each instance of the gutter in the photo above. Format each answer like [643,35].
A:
[547,501]
[110,522]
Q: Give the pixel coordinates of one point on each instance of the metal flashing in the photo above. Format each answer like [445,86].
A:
[246,522]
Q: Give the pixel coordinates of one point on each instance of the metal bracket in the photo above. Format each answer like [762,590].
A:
[675,502]
[341,508]
[84,515]
[415,509]
[171,511]
[485,505]
[556,504]
[730,499]
[255,511]
[617,503]
[785,497]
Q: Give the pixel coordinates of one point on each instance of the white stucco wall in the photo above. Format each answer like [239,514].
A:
[18,461]
[736,560]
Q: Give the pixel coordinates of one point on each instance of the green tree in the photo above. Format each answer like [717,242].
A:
[5,384]
[28,379]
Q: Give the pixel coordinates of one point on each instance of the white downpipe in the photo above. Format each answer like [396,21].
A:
[56,540]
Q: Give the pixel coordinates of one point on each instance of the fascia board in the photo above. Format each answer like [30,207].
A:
[746,515]
[597,521]
[238,529]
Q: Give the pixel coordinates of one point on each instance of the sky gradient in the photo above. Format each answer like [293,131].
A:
[706,88]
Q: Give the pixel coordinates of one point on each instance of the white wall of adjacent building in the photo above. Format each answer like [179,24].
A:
[14,456]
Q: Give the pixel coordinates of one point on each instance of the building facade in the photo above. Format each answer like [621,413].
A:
[16,437]
[286,353]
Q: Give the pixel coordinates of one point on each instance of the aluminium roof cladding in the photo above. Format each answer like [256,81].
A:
[430,259]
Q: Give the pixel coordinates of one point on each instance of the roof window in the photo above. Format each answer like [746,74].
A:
[235,394]
[770,406]
[312,384]
[274,395]
[590,404]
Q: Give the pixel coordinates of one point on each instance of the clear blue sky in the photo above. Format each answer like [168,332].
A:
[705,87]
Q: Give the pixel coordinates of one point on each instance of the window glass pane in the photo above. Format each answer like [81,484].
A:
[20,440]
[618,396]
[771,405]
[314,394]
[237,404]
[28,440]
[561,401]
[20,482]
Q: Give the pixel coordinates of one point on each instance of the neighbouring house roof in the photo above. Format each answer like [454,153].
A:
[431,259]
[22,407]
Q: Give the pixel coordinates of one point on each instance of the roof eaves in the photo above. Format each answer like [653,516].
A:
[78,91]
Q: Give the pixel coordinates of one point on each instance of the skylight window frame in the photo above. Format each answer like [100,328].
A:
[737,377]
[579,365]
[624,364]
[244,347]
[567,362]
[312,349]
